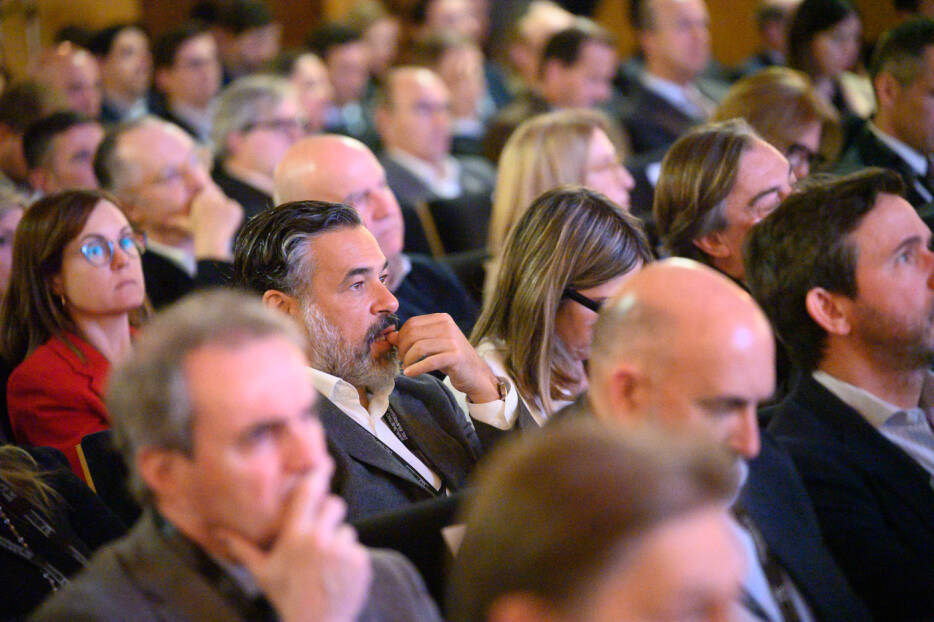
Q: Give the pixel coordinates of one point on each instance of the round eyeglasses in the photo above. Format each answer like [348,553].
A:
[99,251]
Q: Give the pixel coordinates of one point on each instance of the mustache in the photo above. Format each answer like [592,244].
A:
[390,320]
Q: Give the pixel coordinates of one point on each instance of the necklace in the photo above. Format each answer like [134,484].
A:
[22,542]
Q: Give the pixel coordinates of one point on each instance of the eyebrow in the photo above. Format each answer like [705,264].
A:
[362,271]
[755,199]
[912,241]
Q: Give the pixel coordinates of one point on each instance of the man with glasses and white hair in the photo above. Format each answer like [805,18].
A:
[256,120]
[161,178]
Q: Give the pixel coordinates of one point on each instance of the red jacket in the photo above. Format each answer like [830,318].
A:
[55,399]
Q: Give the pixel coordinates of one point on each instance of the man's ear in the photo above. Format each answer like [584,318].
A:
[887,89]
[829,310]
[625,391]
[161,470]
[162,79]
[712,244]
[280,301]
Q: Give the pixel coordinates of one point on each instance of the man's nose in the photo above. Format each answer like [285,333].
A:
[744,438]
[385,302]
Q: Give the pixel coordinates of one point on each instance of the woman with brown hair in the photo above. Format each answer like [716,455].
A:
[783,107]
[66,316]
[571,250]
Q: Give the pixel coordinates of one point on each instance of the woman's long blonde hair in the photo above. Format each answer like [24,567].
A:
[19,471]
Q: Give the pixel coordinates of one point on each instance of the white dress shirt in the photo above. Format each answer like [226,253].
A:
[445,184]
[909,430]
[688,99]
[344,395]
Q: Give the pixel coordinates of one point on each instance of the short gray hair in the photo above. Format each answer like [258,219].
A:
[148,398]
[243,103]
[112,170]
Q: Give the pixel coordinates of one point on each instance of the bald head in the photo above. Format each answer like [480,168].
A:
[685,346]
[328,167]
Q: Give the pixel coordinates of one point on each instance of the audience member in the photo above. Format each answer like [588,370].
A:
[163,183]
[845,272]
[772,18]
[347,58]
[700,369]
[432,16]
[527,38]
[590,523]
[256,120]
[782,106]
[381,31]
[21,103]
[824,40]
[76,279]
[188,75]
[49,524]
[247,36]
[717,182]
[395,438]
[900,136]
[72,74]
[414,121]
[669,96]
[59,151]
[570,251]
[906,9]
[11,211]
[575,71]
[125,61]
[342,170]
[309,78]
[215,417]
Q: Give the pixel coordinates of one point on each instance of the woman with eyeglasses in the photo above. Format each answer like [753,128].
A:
[65,319]
[569,251]
[783,107]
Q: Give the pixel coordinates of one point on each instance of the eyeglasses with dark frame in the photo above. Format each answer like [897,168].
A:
[581,299]
[99,251]
[283,126]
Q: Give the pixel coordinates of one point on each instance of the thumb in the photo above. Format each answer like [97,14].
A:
[243,551]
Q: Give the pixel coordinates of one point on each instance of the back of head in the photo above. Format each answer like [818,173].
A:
[147,398]
[804,244]
[779,103]
[554,512]
[811,18]
[37,141]
[23,103]
[570,237]
[697,175]
[272,249]
[900,51]
[543,153]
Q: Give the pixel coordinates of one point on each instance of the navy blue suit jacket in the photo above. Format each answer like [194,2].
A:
[875,504]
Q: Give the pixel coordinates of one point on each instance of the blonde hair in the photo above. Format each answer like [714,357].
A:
[570,237]
[543,153]
[19,471]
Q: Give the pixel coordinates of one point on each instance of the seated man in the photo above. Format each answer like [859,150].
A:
[21,103]
[900,136]
[126,71]
[248,37]
[414,121]
[256,120]
[158,174]
[590,523]
[59,152]
[395,438]
[702,369]
[188,76]
[72,74]
[342,170]
[216,420]
[845,272]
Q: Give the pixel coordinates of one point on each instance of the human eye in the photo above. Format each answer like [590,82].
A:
[127,243]
[357,286]
[94,250]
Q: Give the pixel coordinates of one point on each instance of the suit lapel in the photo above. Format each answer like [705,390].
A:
[872,150]
[360,443]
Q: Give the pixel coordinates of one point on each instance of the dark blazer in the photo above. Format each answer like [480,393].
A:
[867,150]
[477,178]
[370,477]
[875,503]
[166,282]
[142,577]
[251,199]
[499,128]
[431,287]
[776,500]
[55,398]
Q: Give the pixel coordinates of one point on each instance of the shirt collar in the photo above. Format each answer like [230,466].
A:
[345,396]
[446,184]
[666,89]
[912,157]
[874,410]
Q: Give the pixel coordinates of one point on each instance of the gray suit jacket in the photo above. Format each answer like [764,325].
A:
[142,577]
[477,178]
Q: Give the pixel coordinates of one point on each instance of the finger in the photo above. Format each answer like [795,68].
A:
[330,515]
[438,362]
[243,551]
[424,348]
[305,500]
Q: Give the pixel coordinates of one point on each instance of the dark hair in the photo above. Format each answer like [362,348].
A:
[429,50]
[552,513]
[242,15]
[697,175]
[76,35]
[271,251]
[22,103]
[805,244]
[103,41]
[565,45]
[641,15]
[167,46]
[907,5]
[811,18]
[331,35]
[767,12]
[901,49]
[37,141]
[31,313]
